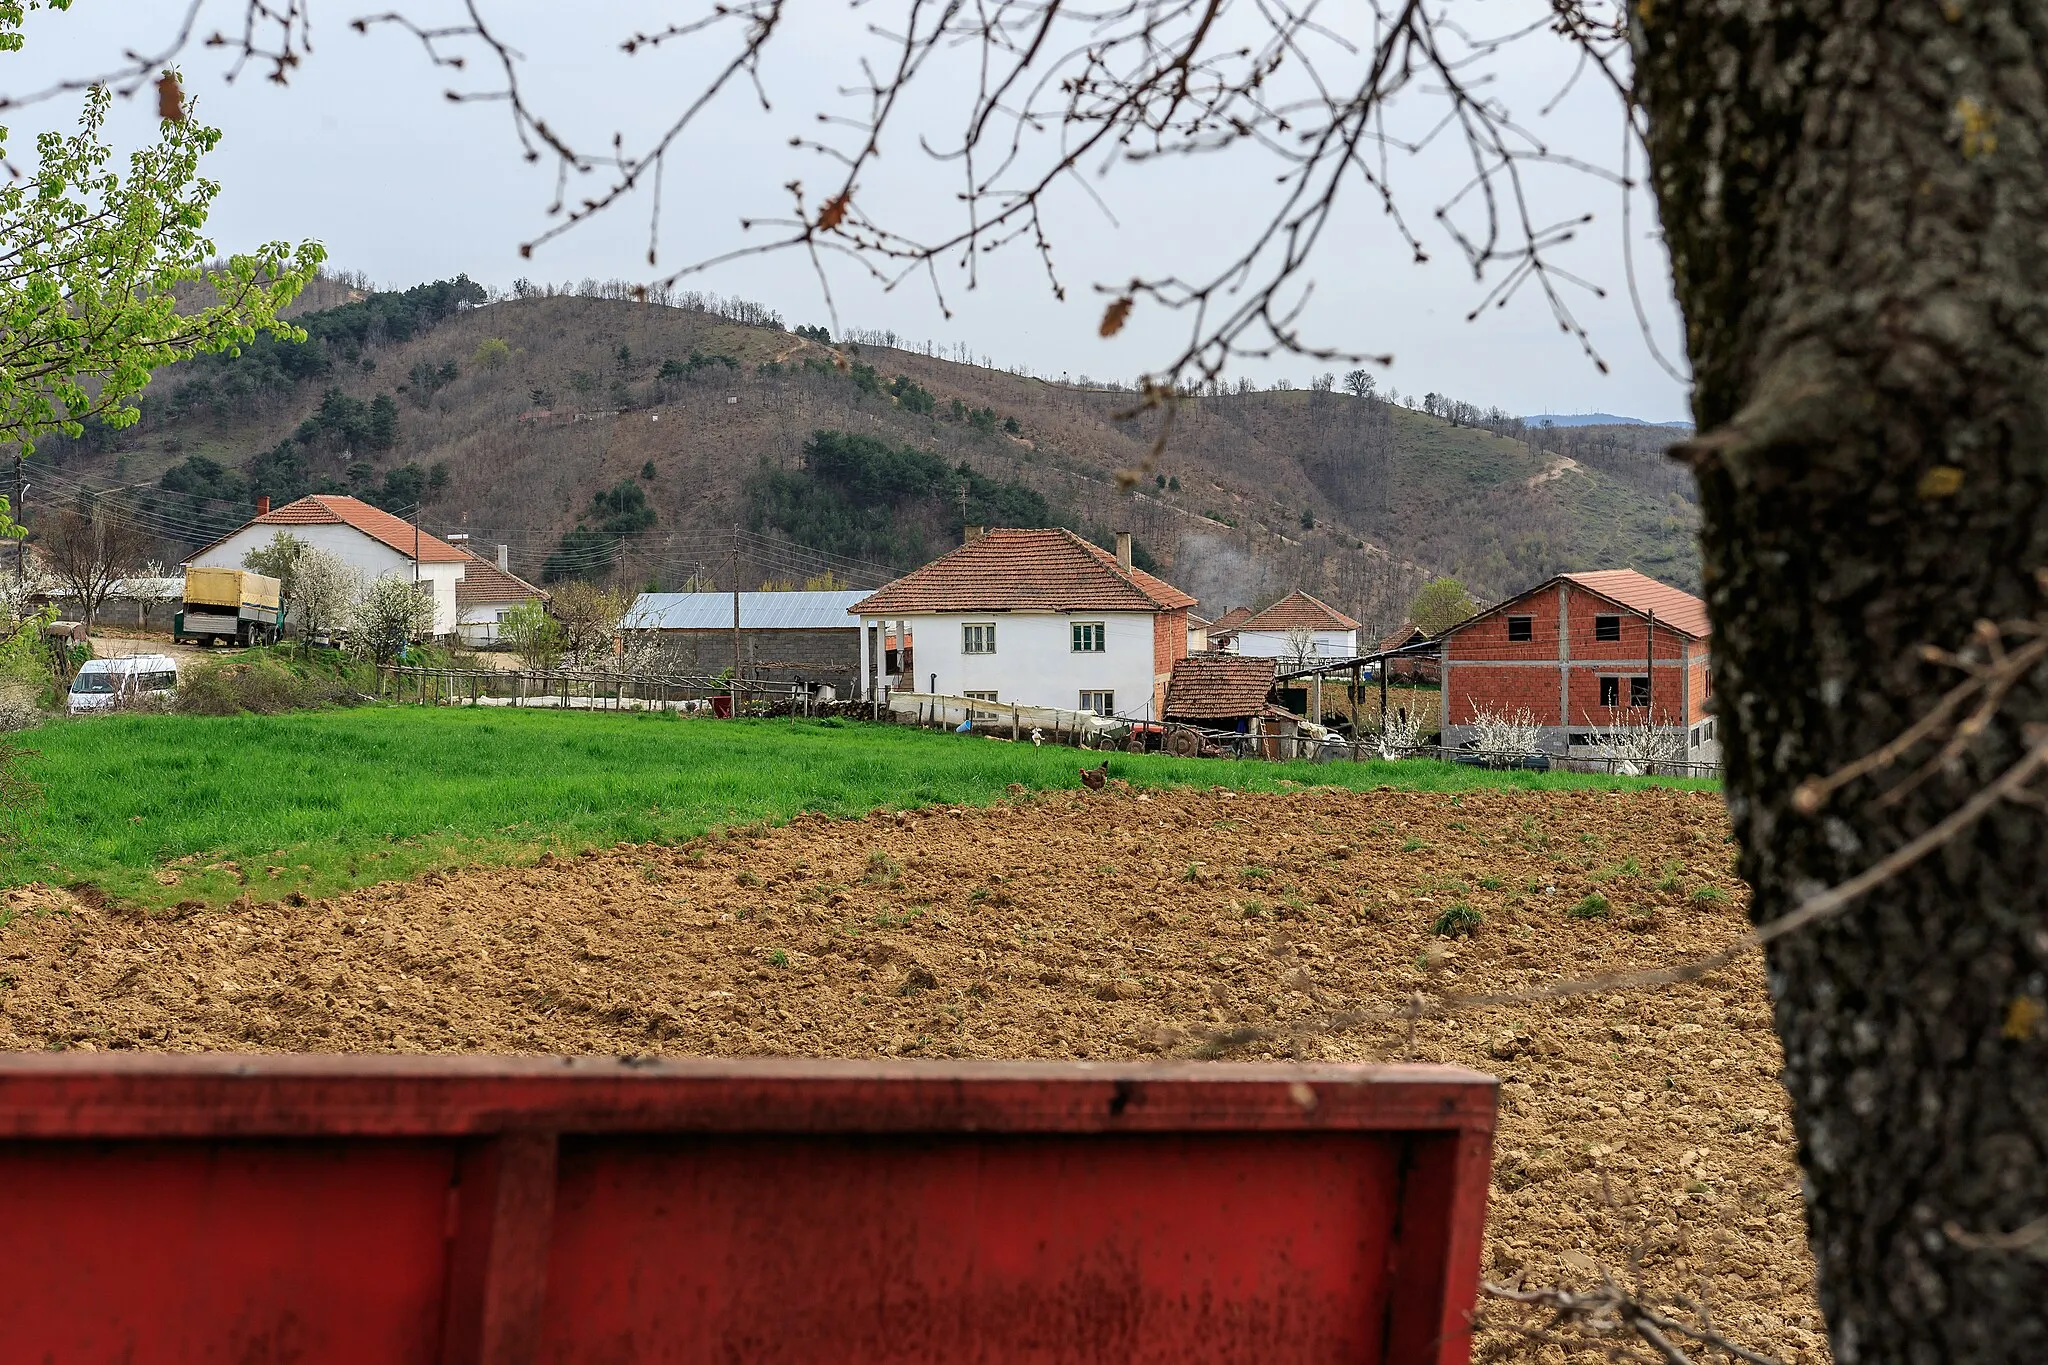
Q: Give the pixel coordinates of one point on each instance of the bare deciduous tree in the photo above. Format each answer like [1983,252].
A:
[89,553]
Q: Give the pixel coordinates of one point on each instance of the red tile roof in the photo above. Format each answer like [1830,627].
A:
[1408,634]
[1673,607]
[1677,609]
[1299,611]
[1217,687]
[483,581]
[1020,570]
[1230,620]
[332,509]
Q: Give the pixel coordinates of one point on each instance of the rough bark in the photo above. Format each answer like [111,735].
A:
[1856,201]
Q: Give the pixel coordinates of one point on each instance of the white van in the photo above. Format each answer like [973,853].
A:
[102,684]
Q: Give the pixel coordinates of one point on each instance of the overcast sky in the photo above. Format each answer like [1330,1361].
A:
[363,151]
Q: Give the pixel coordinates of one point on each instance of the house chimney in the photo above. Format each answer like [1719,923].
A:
[974,532]
[1123,550]
[263,505]
[505,559]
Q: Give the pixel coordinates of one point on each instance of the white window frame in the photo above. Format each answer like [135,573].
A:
[1104,706]
[976,714]
[970,643]
[1097,632]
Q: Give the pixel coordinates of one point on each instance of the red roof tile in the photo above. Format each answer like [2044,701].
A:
[1217,687]
[484,581]
[1299,611]
[1024,570]
[1673,607]
[331,509]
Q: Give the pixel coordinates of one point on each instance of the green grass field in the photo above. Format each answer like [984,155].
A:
[158,809]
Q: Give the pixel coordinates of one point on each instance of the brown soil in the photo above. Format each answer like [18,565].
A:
[1647,1126]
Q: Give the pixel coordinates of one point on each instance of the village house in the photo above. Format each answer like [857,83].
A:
[1586,655]
[1221,636]
[486,594]
[367,539]
[783,636]
[1297,627]
[1036,617]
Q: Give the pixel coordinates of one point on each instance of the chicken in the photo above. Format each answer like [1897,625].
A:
[1095,779]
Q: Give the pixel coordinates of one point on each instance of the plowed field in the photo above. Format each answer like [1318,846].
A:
[1642,1127]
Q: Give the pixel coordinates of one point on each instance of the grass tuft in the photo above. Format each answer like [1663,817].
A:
[1457,921]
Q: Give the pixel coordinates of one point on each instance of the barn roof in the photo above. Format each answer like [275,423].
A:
[758,611]
[1024,570]
[1217,687]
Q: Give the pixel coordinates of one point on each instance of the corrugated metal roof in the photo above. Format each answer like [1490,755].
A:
[758,611]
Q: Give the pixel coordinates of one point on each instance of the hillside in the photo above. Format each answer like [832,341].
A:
[661,429]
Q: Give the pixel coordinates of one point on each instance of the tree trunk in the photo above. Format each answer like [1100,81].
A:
[1856,202]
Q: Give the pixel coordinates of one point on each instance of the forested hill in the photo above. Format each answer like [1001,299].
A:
[606,437]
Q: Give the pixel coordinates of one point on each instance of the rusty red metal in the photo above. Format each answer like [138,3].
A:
[502,1211]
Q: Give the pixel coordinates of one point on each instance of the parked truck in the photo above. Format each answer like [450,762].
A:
[229,604]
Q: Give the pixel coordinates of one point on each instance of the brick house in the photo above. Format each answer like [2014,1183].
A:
[1582,652]
[1037,617]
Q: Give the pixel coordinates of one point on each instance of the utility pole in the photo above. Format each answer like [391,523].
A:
[735,623]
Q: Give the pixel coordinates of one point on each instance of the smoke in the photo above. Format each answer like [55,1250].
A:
[1220,574]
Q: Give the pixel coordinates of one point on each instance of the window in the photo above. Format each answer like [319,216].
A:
[1090,637]
[1521,628]
[1610,691]
[977,714]
[1101,703]
[978,639]
[1607,627]
[1638,691]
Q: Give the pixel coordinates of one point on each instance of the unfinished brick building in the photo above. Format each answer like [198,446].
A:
[1587,656]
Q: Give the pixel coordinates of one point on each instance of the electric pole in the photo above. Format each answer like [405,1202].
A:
[735,623]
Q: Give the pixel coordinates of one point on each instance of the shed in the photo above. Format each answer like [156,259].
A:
[784,636]
[1218,691]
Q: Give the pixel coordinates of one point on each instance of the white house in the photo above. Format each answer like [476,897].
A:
[1041,618]
[367,539]
[485,593]
[1296,625]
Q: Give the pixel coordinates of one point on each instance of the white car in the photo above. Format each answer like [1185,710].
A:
[103,684]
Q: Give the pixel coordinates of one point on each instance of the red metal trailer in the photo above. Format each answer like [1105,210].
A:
[249,1210]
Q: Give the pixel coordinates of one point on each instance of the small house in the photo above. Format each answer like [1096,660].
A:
[486,594]
[1411,668]
[1299,627]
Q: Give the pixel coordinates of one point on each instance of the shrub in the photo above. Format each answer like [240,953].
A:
[1708,895]
[262,686]
[1594,906]
[1457,921]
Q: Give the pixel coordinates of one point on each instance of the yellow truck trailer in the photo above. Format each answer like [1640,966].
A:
[229,604]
